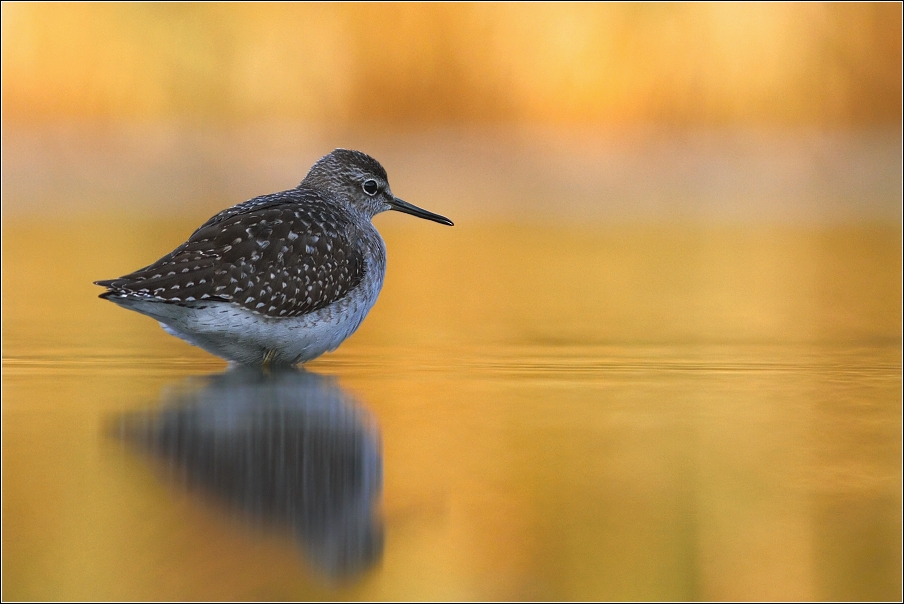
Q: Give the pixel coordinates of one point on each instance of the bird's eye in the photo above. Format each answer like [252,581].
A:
[371,187]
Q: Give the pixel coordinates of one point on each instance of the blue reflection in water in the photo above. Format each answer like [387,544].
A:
[289,448]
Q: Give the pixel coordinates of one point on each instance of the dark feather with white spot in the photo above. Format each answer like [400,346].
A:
[280,255]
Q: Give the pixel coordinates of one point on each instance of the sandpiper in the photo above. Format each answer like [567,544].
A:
[279,279]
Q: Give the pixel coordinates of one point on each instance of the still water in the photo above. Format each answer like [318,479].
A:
[529,412]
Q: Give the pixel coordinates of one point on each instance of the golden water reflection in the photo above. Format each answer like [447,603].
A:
[289,449]
[639,413]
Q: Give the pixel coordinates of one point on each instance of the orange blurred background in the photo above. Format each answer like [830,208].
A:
[575,111]
[402,64]
[665,112]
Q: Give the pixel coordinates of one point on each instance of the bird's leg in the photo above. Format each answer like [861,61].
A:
[268,358]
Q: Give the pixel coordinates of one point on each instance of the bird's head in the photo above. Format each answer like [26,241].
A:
[360,180]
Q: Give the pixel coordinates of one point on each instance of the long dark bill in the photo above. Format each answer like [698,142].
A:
[403,206]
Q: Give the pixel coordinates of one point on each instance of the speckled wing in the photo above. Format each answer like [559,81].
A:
[280,255]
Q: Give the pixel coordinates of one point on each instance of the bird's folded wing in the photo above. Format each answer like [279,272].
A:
[278,259]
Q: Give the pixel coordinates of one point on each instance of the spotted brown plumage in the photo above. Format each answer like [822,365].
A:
[280,255]
[279,279]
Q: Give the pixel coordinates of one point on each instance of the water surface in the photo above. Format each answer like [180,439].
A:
[529,412]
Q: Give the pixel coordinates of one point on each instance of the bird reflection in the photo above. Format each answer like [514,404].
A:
[288,448]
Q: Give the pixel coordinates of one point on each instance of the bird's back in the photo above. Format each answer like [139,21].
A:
[281,255]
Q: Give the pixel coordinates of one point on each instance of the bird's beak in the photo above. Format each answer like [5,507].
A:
[403,206]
